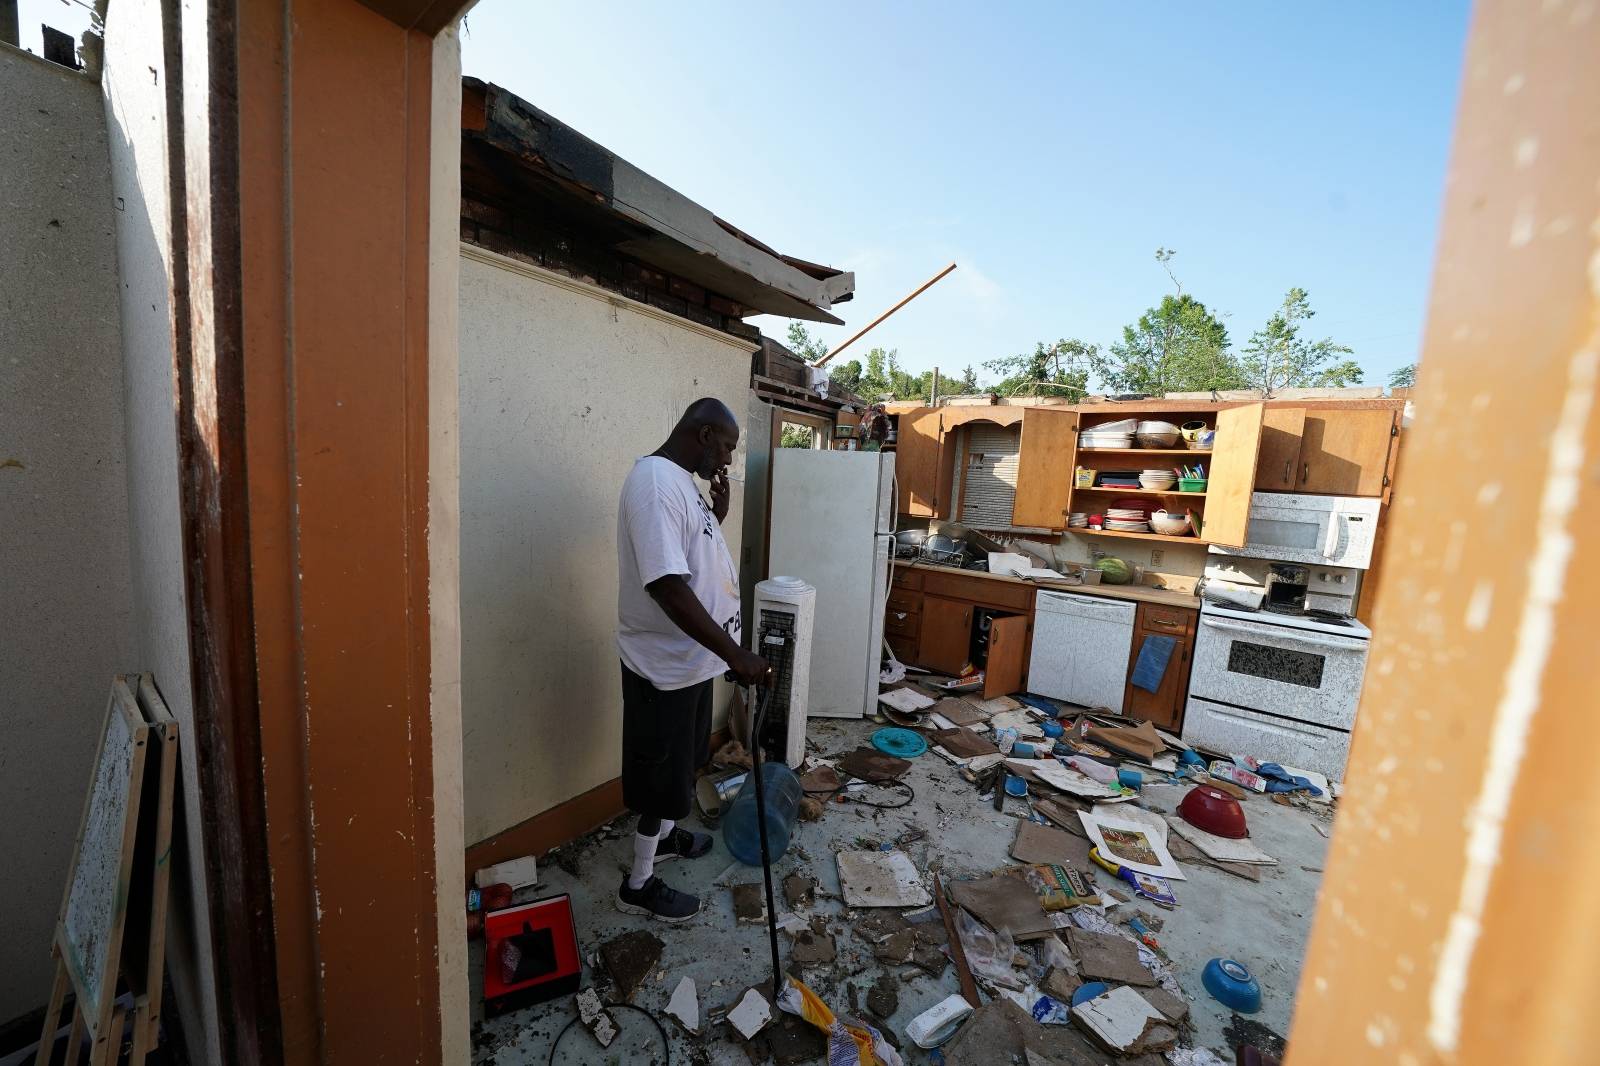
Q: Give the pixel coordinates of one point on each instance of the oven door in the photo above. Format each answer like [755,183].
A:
[1313,530]
[1279,670]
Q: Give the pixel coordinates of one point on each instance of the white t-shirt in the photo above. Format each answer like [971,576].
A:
[664,526]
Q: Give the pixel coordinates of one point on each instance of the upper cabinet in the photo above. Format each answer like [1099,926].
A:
[918,449]
[1049,449]
[1329,451]
[1218,506]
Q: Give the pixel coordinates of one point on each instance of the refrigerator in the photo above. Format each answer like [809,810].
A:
[832,526]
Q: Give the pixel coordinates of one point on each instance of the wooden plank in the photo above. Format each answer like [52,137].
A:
[1345,453]
[1008,656]
[52,1016]
[1278,464]
[958,954]
[165,732]
[919,444]
[1232,475]
[1044,472]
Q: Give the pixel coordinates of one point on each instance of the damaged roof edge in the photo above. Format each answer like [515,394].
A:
[768,282]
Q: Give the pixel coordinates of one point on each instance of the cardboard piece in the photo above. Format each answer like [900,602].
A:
[1000,1031]
[1221,848]
[880,879]
[1131,843]
[751,1014]
[870,764]
[1108,957]
[963,743]
[1141,742]
[1039,844]
[1184,851]
[907,700]
[959,712]
[1004,902]
[1123,1022]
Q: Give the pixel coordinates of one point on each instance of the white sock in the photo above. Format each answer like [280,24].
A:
[644,860]
[666,829]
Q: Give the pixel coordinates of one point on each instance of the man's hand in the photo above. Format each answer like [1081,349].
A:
[749,668]
[719,494]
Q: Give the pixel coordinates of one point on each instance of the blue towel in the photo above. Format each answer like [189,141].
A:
[1154,655]
[1281,780]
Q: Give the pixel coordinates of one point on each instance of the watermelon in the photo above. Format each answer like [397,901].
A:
[1114,571]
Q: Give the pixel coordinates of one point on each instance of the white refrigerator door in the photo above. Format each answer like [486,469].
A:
[824,530]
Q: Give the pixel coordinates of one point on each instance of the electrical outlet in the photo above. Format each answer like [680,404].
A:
[1155,556]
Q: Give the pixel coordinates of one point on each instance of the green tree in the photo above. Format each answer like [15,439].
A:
[794,436]
[1279,357]
[1059,369]
[846,375]
[969,381]
[882,378]
[1176,346]
[803,344]
[1404,378]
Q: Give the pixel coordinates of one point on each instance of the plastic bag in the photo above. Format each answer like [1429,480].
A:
[989,954]
[851,1042]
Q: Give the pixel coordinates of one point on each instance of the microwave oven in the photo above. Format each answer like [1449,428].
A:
[1314,530]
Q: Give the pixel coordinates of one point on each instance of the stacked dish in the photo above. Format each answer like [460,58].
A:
[1158,480]
[1118,434]
[1172,524]
[1077,520]
[1127,519]
[1119,479]
[1156,434]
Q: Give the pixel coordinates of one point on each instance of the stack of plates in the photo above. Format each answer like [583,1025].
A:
[1158,480]
[1092,439]
[1119,479]
[1127,519]
[1077,520]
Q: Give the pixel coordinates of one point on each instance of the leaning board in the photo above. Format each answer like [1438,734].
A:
[89,931]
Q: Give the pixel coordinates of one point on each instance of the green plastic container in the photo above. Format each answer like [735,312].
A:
[1191,484]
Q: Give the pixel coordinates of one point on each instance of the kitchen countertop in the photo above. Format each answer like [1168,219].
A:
[1136,593]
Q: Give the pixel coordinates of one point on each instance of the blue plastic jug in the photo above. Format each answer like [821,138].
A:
[739,826]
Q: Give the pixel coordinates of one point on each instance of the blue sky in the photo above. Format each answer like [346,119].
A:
[1048,148]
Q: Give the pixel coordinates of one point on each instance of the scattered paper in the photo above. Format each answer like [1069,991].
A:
[1008,562]
[1026,725]
[685,1005]
[905,699]
[880,879]
[1067,780]
[1131,843]
[1120,1020]
[1222,849]
[1127,812]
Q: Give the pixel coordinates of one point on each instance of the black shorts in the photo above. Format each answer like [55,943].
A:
[666,737]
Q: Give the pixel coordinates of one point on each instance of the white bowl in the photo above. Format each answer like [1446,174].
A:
[1173,525]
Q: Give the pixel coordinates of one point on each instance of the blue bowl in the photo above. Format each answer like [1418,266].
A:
[1089,991]
[1231,985]
[1053,729]
[1016,786]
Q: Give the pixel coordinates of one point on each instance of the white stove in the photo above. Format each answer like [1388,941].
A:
[1280,685]
[1316,621]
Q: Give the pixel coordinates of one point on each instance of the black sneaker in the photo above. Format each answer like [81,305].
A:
[657,899]
[682,844]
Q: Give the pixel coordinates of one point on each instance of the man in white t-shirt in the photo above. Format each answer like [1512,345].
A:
[678,628]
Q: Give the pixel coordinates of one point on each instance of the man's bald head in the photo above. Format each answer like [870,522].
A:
[704,439]
[707,411]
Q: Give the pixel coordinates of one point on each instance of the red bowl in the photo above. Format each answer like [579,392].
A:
[1214,811]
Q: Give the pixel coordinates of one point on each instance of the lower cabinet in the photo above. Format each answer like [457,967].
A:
[942,622]
[1164,706]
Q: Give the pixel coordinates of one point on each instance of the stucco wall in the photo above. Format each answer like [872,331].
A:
[65,608]
[562,387]
[136,94]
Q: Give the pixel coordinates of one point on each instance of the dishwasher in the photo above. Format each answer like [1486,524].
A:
[1080,648]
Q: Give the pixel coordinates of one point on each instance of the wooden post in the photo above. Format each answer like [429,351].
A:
[933,394]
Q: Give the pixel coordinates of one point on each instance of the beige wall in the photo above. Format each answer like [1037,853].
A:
[563,385]
[66,618]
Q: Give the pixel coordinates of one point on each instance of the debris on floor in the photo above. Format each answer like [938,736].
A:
[628,959]
[1066,926]
[685,1005]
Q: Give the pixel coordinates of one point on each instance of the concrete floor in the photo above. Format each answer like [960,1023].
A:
[1264,925]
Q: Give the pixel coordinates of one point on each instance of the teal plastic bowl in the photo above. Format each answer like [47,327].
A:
[1231,985]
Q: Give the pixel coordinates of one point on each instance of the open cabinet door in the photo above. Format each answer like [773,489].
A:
[1044,468]
[1008,656]
[919,447]
[1232,475]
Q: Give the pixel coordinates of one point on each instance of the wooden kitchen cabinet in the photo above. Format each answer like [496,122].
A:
[945,642]
[927,447]
[1008,656]
[1344,451]
[1044,468]
[1163,707]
